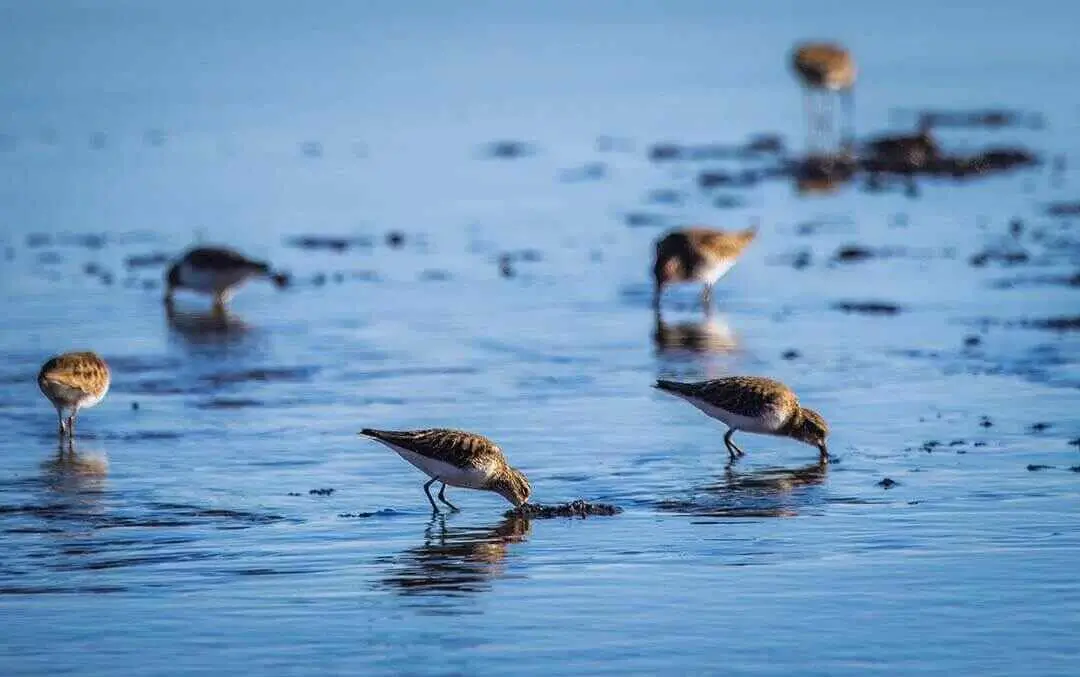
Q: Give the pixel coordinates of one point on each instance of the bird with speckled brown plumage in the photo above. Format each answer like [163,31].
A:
[754,404]
[215,271]
[456,458]
[73,381]
[697,255]
[825,69]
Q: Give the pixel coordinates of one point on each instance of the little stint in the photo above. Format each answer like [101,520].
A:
[697,255]
[754,404]
[73,381]
[826,68]
[905,152]
[217,272]
[457,458]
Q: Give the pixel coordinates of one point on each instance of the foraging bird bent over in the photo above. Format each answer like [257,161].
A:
[73,381]
[457,458]
[904,152]
[826,68]
[754,404]
[216,271]
[697,255]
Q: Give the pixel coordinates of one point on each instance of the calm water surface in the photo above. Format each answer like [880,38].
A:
[182,538]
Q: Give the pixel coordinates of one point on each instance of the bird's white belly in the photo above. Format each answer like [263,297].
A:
[469,478]
[211,281]
[91,400]
[72,399]
[769,422]
[715,270]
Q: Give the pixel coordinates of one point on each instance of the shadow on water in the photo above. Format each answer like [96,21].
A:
[711,334]
[771,492]
[453,562]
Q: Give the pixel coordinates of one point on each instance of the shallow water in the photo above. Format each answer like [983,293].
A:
[190,533]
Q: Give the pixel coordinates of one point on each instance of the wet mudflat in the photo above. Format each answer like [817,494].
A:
[488,269]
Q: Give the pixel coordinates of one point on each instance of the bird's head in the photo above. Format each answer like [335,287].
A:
[513,486]
[811,429]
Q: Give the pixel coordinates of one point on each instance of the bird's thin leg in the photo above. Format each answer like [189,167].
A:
[71,425]
[443,498]
[706,297]
[427,493]
[63,429]
[733,450]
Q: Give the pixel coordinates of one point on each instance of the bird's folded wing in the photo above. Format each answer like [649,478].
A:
[456,447]
[744,401]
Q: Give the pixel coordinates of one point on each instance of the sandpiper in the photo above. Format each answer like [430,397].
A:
[215,271]
[905,152]
[825,68]
[73,381]
[756,405]
[457,458]
[697,255]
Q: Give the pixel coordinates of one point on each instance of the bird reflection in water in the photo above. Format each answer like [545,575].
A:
[823,174]
[78,476]
[459,561]
[771,492]
[712,334]
[219,327]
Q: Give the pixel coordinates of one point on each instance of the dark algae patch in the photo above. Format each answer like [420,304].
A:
[509,150]
[1064,323]
[333,243]
[868,307]
[578,508]
[1063,209]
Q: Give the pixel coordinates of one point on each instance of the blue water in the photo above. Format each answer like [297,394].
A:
[182,539]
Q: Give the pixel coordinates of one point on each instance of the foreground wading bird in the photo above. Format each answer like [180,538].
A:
[457,458]
[825,69]
[697,255]
[217,272]
[755,405]
[73,381]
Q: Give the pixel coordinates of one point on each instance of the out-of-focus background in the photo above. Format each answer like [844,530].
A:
[466,197]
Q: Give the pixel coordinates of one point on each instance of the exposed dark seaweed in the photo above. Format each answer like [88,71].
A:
[333,243]
[578,508]
[868,307]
